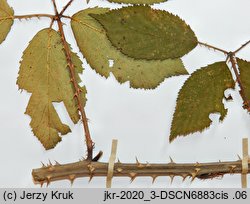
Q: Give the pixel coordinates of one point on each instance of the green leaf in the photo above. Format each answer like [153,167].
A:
[44,73]
[97,50]
[6,20]
[201,95]
[244,68]
[141,32]
[137,1]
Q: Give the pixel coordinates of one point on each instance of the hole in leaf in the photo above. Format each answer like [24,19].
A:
[111,63]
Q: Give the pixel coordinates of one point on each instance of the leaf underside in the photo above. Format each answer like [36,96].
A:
[98,50]
[244,68]
[5,24]
[137,1]
[201,95]
[141,32]
[44,73]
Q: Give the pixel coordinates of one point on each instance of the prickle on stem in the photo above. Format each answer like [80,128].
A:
[72,178]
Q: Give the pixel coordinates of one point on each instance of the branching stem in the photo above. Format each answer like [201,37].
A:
[91,167]
[231,57]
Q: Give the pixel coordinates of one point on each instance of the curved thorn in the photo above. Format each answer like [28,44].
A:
[132,175]
[90,177]
[137,161]
[50,164]
[43,165]
[184,176]
[139,165]
[48,180]
[171,179]
[41,183]
[193,175]
[171,161]
[72,178]
[57,163]
[153,178]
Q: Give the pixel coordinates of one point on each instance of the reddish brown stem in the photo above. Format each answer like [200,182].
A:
[231,57]
[55,7]
[213,47]
[233,61]
[89,142]
[65,7]
[81,109]
[244,45]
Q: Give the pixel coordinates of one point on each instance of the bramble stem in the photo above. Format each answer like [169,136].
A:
[76,87]
[39,15]
[91,167]
[233,61]
[55,7]
[66,6]
[32,16]
[50,173]
[63,16]
[239,49]
[28,16]
[71,66]
[213,47]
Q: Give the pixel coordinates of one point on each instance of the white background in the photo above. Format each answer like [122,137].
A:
[139,119]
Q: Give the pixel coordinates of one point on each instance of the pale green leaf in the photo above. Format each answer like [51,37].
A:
[44,73]
[6,20]
[141,32]
[201,95]
[137,1]
[97,50]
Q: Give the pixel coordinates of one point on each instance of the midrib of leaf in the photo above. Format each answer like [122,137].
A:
[87,25]
[148,33]
[125,68]
[100,31]
[48,77]
[44,73]
[6,18]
